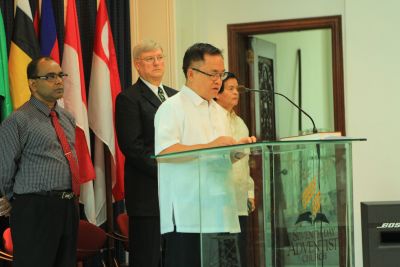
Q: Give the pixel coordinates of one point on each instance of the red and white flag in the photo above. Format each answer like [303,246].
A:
[104,88]
[75,102]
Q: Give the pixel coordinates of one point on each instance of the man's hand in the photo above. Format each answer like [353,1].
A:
[5,207]
[251,205]
[222,141]
[247,140]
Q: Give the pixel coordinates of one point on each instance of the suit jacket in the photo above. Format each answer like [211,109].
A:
[134,117]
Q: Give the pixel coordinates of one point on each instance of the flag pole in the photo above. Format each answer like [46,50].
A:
[109,205]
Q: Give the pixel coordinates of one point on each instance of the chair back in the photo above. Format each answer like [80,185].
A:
[7,241]
[91,240]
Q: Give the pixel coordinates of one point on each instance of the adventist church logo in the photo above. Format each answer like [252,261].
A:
[311,201]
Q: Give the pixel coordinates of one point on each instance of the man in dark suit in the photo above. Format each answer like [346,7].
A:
[135,110]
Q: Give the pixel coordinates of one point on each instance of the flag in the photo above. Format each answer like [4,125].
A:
[103,90]
[75,102]
[35,13]
[24,47]
[6,105]
[48,32]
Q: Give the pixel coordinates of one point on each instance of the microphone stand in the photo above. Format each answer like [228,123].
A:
[304,216]
[244,89]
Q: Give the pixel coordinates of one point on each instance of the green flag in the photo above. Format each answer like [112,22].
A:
[6,104]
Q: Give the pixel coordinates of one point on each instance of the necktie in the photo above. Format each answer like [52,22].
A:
[161,94]
[73,165]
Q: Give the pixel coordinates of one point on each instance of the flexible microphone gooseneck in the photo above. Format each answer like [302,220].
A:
[243,89]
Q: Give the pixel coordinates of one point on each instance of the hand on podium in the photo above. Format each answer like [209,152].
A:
[247,140]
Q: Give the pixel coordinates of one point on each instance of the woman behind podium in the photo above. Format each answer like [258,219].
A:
[228,98]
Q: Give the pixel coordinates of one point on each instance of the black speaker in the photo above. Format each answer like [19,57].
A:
[380,222]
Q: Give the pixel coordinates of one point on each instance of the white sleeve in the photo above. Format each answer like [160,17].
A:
[244,132]
[167,127]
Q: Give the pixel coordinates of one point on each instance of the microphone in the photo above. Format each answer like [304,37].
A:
[243,89]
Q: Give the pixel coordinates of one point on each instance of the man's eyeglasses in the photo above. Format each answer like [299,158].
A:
[51,76]
[213,76]
[153,59]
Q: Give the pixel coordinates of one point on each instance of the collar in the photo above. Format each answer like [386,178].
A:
[195,98]
[230,115]
[152,86]
[43,107]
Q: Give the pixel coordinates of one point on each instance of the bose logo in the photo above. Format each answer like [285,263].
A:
[389,225]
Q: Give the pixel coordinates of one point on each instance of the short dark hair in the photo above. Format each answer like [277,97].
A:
[229,76]
[196,53]
[32,70]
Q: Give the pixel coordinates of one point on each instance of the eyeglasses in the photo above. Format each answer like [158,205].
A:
[51,77]
[153,59]
[213,76]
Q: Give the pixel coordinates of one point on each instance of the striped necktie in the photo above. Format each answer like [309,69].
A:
[161,94]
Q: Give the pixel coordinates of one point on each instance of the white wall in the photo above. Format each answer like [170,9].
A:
[372,84]
[317,93]
[206,20]
[372,88]
[148,22]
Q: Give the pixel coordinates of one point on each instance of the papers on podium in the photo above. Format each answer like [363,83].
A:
[315,136]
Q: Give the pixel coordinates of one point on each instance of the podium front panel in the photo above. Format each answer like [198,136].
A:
[303,214]
[311,202]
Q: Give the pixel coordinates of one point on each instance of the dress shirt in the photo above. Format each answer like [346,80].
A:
[244,184]
[31,157]
[154,88]
[195,196]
